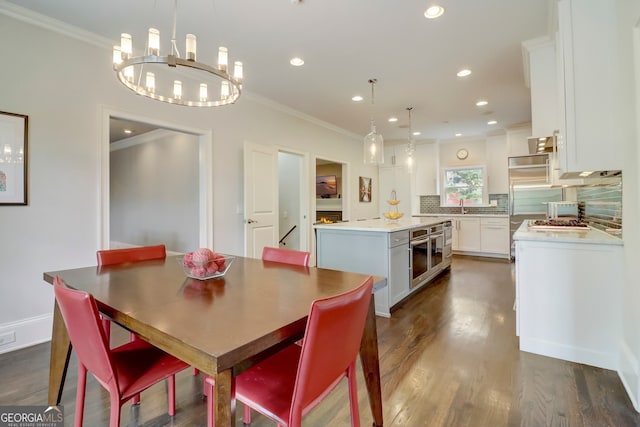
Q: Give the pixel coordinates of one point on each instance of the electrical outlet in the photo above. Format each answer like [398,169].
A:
[7,338]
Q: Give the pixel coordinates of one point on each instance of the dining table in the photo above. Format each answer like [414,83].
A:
[221,326]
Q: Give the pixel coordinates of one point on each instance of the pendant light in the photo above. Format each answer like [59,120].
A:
[411,146]
[373,141]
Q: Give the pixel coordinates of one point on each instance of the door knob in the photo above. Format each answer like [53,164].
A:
[250,221]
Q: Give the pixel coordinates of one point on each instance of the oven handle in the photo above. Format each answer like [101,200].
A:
[419,242]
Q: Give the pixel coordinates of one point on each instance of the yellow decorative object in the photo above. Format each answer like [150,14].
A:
[393,214]
[393,202]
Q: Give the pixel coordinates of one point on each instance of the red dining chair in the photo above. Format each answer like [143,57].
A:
[287,256]
[124,371]
[287,385]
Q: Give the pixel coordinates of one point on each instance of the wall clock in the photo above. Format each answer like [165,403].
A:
[462,154]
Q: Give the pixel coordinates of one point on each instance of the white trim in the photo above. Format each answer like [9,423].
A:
[28,332]
[205,173]
[140,139]
[629,374]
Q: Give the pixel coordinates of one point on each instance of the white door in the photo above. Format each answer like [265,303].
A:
[260,198]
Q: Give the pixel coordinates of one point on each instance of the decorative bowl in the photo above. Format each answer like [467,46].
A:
[393,215]
[393,202]
[211,269]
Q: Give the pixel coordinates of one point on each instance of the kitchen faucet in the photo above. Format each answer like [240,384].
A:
[462,211]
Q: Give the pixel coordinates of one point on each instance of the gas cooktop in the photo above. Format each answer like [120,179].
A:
[558,224]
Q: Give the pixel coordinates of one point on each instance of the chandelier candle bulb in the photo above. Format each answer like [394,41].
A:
[154,42]
[203,92]
[238,72]
[191,47]
[126,46]
[151,82]
[117,56]
[177,89]
[224,89]
[128,74]
[222,58]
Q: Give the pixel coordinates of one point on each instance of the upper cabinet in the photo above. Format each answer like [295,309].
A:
[587,68]
[426,169]
[540,54]
[496,158]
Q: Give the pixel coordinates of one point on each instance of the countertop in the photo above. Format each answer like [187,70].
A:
[588,236]
[463,215]
[381,225]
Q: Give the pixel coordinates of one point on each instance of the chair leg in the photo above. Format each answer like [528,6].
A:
[246,414]
[80,390]
[106,326]
[353,395]
[196,371]
[211,404]
[114,419]
[171,383]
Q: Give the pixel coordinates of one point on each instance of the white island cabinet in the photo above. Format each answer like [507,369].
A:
[568,294]
[373,247]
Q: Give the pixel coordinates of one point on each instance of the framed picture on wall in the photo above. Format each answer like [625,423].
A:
[13,158]
[365,189]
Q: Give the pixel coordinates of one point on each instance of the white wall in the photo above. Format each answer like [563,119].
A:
[63,85]
[154,191]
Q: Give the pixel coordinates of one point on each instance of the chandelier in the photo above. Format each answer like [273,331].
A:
[373,141]
[175,79]
[411,145]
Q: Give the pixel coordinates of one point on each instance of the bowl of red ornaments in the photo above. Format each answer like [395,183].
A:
[205,264]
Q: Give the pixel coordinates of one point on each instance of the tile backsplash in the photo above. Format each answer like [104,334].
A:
[431,205]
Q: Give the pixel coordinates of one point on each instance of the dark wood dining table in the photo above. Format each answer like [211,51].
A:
[221,326]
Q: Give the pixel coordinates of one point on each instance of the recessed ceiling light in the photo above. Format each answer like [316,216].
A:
[464,72]
[128,131]
[434,11]
[481,103]
[393,119]
[357,98]
[585,173]
[416,133]
[458,134]
[296,62]
[492,122]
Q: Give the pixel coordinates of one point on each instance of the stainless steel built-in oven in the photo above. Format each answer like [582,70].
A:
[420,254]
[436,247]
[448,243]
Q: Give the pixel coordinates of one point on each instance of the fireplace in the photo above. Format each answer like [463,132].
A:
[334,216]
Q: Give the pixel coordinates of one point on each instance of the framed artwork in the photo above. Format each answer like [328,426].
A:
[365,189]
[13,158]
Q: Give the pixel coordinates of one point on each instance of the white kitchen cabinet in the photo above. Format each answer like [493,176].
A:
[398,266]
[587,84]
[541,54]
[517,141]
[568,299]
[466,234]
[497,168]
[494,236]
[426,169]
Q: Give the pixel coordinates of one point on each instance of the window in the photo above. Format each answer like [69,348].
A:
[468,184]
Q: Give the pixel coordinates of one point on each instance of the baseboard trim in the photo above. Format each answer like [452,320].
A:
[570,353]
[28,332]
[629,374]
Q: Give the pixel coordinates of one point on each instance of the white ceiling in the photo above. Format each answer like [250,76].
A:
[344,44]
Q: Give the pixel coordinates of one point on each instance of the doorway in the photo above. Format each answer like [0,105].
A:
[143,166]
[331,190]
[292,201]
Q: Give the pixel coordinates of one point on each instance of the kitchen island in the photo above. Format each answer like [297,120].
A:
[382,248]
[568,294]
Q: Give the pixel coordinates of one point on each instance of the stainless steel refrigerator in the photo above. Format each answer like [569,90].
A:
[530,190]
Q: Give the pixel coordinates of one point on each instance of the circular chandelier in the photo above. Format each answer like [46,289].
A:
[174,79]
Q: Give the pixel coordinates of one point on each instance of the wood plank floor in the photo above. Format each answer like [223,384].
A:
[449,357]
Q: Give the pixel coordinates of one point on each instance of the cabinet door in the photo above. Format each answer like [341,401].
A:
[497,168]
[398,273]
[466,234]
[543,84]
[426,170]
[494,235]
[587,65]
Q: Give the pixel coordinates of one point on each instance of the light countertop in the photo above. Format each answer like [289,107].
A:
[381,225]
[463,215]
[588,236]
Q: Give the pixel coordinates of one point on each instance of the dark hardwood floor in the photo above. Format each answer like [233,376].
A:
[449,357]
